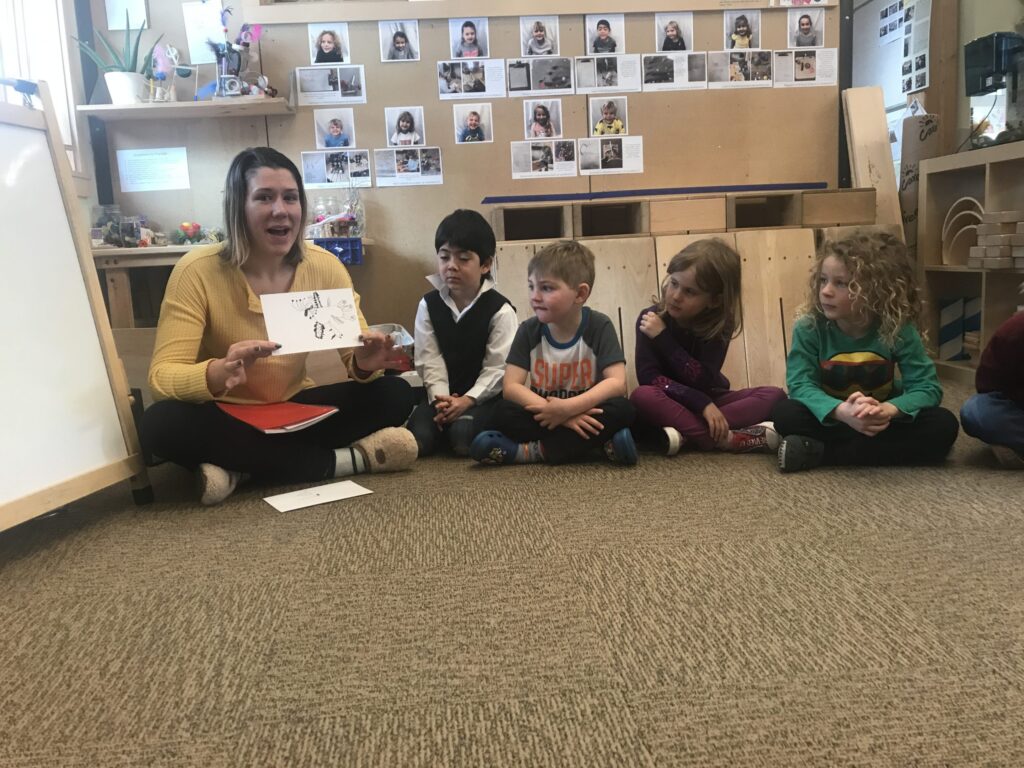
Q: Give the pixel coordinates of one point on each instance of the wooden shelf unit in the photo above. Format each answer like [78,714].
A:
[241,106]
[995,177]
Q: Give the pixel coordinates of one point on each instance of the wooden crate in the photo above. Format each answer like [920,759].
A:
[611,217]
[691,214]
[838,207]
[551,221]
[763,210]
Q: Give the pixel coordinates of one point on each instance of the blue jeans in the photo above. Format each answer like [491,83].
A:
[995,419]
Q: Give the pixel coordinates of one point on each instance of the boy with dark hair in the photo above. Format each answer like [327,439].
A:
[565,376]
[463,332]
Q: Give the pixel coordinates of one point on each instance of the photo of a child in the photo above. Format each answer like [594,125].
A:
[606,33]
[539,35]
[806,28]
[334,128]
[742,29]
[673,31]
[329,43]
[543,119]
[405,126]
[469,38]
[399,40]
[472,123]
[608,116]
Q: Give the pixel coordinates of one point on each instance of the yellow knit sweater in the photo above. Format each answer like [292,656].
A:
[208,306]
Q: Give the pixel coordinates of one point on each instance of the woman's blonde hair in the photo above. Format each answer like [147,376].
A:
[717,270]
[238,245]
[882,281]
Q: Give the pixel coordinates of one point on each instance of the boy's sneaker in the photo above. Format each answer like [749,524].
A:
[671,441]
[493,448]
[1007,457]
[621,449]
[797,452]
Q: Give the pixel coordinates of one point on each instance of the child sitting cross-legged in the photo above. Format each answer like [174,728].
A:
[464,329]
[680,347]
[847,404]
[565,376]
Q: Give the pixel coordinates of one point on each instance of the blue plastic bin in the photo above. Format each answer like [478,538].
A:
[349,250]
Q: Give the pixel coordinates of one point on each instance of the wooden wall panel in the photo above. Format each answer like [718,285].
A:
[776,268]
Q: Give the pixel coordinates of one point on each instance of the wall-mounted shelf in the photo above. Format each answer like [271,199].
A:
[241,106]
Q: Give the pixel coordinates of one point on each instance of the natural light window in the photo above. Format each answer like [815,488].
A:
[31,32]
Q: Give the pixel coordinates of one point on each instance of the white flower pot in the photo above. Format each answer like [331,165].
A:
[125,87]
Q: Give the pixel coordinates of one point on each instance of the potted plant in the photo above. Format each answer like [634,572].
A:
[125,81]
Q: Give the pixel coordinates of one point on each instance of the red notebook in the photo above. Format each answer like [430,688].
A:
[276,418]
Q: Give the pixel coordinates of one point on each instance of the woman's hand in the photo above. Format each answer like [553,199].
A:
[226,373]
[718,427]
[651,324]
[375,352]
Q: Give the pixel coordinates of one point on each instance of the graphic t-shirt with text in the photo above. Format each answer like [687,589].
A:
[570,369]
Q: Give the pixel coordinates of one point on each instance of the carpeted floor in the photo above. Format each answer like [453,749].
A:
[701,610]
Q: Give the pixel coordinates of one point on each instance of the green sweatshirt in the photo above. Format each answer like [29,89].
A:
[825,366]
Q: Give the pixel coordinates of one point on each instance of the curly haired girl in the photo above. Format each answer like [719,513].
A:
[847,404]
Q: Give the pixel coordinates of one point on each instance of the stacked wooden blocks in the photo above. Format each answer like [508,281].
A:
[1000,242]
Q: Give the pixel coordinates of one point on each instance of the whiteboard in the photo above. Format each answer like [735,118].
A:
[60,417]
[875,64]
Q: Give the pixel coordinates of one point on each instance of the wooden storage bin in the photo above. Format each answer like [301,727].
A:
[692,214]
[763,211]
[532,222]
[837,207]
[598,219]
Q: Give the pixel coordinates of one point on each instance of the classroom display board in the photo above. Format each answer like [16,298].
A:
[681,134]
[67,423]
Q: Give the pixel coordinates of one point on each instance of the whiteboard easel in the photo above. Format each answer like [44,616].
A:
[67,429]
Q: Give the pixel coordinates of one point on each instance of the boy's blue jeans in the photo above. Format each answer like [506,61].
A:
[995,419]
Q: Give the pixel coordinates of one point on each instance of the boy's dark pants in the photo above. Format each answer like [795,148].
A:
[459,434]
[923,440]
[562,444]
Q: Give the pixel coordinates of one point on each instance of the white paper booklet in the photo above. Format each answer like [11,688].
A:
[307,321]
[321,494]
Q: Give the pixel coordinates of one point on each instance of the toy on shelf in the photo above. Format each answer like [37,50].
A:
[192,233]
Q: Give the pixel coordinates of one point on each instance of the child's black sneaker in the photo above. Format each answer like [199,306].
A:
[621,449]
[1007,457]
[797,452]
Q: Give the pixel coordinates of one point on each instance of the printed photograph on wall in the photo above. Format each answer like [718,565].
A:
[742,29]
[608,116]
[611,155]
[472,79]
[606,33]
[408,167]
[404,126]
[542,118]
[330,85]
[538,35]
[806,27]
[473,123]
[328,43]
[469,38]
[539,76]
[344,168]
[334,128]
[540,159]
[595,74]
[673,31]
[675,71]
[399,40]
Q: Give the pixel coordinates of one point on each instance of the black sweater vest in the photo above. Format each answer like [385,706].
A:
[463,344]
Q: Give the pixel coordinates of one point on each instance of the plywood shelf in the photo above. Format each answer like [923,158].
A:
[241,106]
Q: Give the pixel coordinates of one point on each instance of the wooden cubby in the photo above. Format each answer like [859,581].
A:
[993,177]
[763,210]
[598,219]
[533,222]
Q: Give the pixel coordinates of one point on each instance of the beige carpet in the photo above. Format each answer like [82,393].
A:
[701,610]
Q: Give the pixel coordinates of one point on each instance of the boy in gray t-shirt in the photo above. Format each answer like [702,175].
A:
[565,375]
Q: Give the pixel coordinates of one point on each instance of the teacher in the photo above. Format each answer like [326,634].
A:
[211,346]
